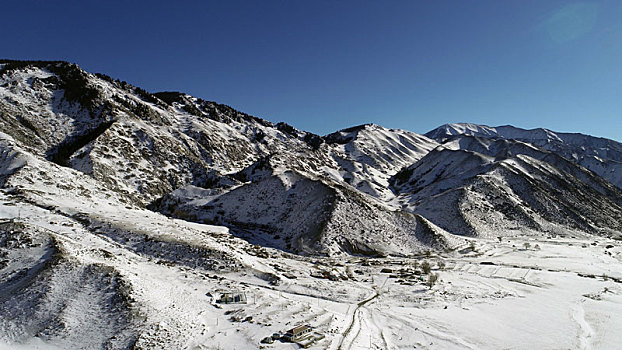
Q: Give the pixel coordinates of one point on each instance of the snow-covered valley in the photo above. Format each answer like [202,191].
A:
[508,292]
[131,220]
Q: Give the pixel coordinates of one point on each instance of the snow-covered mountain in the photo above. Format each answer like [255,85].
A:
[600,155]
[281,187]
[124,214]
[489,186]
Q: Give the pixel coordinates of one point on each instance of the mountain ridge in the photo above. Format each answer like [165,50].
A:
[127,218]
[154,150]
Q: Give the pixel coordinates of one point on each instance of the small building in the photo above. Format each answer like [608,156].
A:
[298,333]
[232,298]
[310,339]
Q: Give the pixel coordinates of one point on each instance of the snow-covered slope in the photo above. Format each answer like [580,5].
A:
[125,216]
[509,186]
[294,213]
[369,154]
[600,155]
[206,162]
[144,146]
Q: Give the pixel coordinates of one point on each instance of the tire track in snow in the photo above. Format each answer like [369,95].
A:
[585,331]
[435,330]
[355,313]
[380,329]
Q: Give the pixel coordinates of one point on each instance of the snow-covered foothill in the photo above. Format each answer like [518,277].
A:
[130,219]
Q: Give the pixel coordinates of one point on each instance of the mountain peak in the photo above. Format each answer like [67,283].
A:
[603,156]
[126,216]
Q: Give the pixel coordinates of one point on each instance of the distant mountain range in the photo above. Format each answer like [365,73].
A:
[362,190]
[600,155]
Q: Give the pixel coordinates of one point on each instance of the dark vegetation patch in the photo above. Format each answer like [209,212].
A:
[72,79]
[170,96]
[212,110]
[61,153]
[337,138]
[402,176]
[313,140]
[287,129]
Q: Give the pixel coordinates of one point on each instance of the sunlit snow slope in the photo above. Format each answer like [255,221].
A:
[125,215]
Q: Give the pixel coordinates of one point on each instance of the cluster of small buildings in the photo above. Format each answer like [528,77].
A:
[232,298]
[302,335]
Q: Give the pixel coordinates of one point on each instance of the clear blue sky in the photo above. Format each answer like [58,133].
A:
[325,65]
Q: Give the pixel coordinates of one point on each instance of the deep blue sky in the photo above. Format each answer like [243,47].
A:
[325,65]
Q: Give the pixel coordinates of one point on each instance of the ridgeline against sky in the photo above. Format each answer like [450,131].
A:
[325,65]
